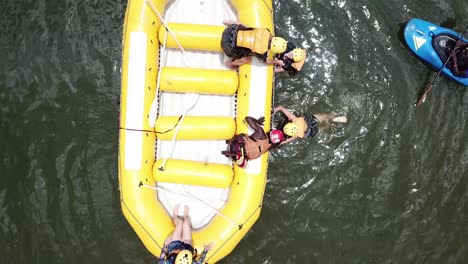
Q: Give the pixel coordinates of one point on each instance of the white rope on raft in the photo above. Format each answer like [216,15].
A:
[170,32]
[188,194]
[188,62]
[154,105]
[197,96]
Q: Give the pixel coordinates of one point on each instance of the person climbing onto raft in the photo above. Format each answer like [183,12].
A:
[290,61]
[240,43]
[243,148]
[460,59]
[178,247]
[305,127]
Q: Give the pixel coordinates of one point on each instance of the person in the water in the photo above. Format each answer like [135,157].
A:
[240,43]
[460,59]
[290,61]
[178,247]
[305,127]
[243,148]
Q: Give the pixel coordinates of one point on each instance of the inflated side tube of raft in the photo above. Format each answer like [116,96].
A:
[203,81]
[191,36]
[142,35]
[196,128]
[193,173]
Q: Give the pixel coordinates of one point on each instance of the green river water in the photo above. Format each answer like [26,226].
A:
[391,186]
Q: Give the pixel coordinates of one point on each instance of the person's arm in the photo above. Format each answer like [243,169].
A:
[461,44]
[279,69]
[287,140]
[256,124]
[455,64]
[275,61]
[203,255]
[288,114]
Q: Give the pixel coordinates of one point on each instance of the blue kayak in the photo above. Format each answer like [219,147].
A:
[433,44]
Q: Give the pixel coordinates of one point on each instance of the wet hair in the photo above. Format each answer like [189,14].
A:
[282,122]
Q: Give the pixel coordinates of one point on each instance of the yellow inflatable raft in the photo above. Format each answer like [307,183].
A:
[178,106]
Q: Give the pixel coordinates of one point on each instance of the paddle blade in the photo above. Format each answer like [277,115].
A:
[423,97]
[421,101]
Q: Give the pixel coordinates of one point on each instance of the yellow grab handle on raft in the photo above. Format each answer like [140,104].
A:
[196,127]
[193,36]
[194,173]
[203,81]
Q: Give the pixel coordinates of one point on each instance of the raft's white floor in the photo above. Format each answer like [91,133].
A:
[211,12]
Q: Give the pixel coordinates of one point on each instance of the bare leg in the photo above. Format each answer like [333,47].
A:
[229,22]
[230,65]
[238,62]
[340,119]
[186,228]
[175,213]
[328,118]
[278,69]
[177,234]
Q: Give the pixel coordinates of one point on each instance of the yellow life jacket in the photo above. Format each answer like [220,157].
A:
[257,40]
[255,148]
[301,125]
[298,65]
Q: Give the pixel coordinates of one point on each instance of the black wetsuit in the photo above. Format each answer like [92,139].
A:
[287,61]
[460,61]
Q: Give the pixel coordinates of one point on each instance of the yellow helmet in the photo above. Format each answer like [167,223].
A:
[278,45]
[291,129]
[184,257]
[298,55]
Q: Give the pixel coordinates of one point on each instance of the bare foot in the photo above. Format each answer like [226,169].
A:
[186,211]
[340,119]
[230,65]
[175,215]
[229,22]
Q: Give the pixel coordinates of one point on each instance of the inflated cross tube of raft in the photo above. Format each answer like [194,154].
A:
[192,163]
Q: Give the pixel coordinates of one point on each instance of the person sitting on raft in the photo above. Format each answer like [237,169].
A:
[460,59]
[240,43]
[178,247]
[243,148]
[290,61]
[305,127]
